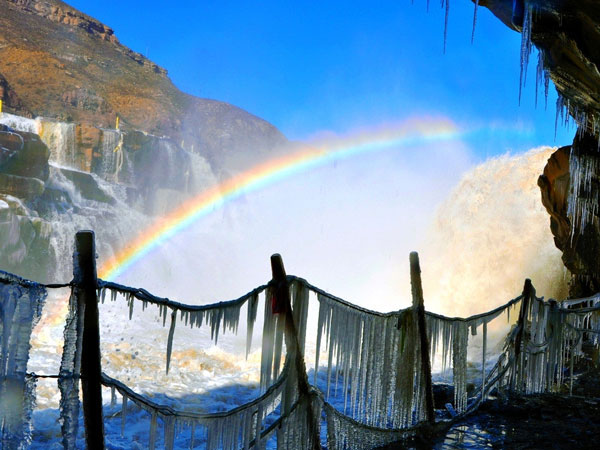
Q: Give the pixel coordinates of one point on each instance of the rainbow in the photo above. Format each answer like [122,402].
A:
[408,133]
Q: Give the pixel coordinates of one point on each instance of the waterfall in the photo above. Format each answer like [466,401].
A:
[19,123]
[111,155]
[60,139]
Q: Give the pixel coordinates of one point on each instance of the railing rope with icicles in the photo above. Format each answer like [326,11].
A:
[384,361]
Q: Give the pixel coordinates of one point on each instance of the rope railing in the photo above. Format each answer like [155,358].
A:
[148,298]
[145,403]
[369,348]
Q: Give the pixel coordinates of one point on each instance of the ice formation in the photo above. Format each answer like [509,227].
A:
[474,20]
[582,207]
[343,432]
[21,305]
[526,45]
[373,357]
[376,355]
[230,430]
[294,432]
[70,367]
[221,317]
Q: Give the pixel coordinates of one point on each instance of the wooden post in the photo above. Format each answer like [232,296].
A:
[86,284]
[527,291]
[527,294]
[419,306]
[282,294]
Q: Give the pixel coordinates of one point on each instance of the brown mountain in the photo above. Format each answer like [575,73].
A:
[56,61]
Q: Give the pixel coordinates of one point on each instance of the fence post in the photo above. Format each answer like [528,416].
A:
[419,306]
[86,285]
[528,291]
[282,294]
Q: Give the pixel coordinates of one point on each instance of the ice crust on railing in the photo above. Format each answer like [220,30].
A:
[272,343]
[451,335]
[229,430]
[343,433]
[293,434]
[21,305]
[376,355]
[552,336]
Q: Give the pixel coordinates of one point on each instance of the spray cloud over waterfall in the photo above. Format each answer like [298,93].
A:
[490,234]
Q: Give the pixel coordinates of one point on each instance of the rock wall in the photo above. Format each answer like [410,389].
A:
[56,178]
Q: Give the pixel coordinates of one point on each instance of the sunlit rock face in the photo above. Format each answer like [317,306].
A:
[554,184]
[57,62]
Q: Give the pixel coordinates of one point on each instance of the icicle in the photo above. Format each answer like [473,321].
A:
[29,404]
[252,309]
[483,356]
[123,414]
[525,46]
[131,301]
[169,432]
[164,315]
[459,365]
[68,382]
[300,308]
[474,21]
[192,435]
[268,343]
[152,436]
[170,338]
[447,14]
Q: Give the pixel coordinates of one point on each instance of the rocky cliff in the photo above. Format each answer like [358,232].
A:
[57,62]
[567,33]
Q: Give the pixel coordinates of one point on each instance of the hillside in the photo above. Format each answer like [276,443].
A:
[57,62]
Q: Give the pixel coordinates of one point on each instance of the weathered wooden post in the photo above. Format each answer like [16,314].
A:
[282,296]
[86,285]
[528,292]
[419,306]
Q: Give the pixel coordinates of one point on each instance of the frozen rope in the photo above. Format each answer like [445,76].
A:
[576,301]
[241,426]
[486,316]
[146,297]
[9,278]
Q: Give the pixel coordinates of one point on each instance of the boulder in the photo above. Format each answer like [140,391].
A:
[87,186]
[21,187]
[28,154]
[24,241]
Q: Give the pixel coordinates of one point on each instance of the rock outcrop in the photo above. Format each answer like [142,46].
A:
[554,184]
[60,63]
[567,33]
[23,154]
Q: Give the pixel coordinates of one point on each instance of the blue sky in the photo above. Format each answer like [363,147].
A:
[312,67]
